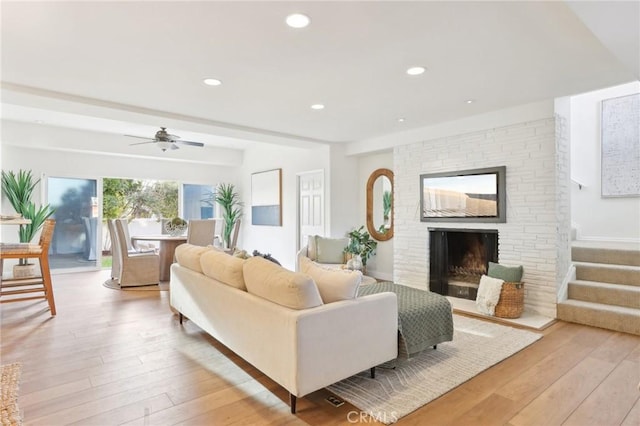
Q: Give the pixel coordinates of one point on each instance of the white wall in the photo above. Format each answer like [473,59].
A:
[380,265]
[279,241]
[344,188]
[594,217]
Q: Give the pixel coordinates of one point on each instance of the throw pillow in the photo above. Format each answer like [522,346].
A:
[188,255]
[224,268]
[488,294]
[330,250]
[333,284]
[510,274]
[279,285]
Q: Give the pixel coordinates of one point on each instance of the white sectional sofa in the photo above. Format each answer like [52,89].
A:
[278,321]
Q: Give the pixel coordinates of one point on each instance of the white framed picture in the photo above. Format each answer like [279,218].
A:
[266,198]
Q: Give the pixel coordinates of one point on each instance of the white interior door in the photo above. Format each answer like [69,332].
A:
[310,205]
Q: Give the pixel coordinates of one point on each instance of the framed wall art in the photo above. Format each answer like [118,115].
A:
[620,142]
[266,198]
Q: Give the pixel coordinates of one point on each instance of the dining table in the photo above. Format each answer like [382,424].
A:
[168,244]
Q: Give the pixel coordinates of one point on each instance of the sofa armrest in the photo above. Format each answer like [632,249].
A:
[301,253]
[341,339]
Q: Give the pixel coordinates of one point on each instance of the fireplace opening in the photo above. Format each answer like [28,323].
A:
[458,258]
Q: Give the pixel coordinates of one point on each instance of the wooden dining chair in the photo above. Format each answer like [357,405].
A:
[201,232]
[19,289]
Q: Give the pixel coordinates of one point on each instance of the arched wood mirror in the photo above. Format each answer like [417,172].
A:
[380,204]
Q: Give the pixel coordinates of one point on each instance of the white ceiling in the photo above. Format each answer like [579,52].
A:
[130,67]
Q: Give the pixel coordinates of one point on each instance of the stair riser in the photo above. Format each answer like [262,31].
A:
[610,256]
[610,320]
[605,295]
[608,275]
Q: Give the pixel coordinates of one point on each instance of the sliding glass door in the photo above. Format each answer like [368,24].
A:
[76,240]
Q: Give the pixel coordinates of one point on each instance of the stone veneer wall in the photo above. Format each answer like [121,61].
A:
[563,201]
[530,235]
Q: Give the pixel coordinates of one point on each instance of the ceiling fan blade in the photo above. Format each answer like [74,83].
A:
[141,143]
[200,144]
[140,137]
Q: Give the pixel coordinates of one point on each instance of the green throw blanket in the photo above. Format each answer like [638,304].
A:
[424,318]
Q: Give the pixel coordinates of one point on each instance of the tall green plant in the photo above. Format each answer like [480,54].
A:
[229,200]
[18,188]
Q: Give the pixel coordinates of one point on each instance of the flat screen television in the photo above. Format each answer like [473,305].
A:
[477,195]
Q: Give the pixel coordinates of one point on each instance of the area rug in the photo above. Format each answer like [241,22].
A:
[163,286]
[9,384]
[396,392]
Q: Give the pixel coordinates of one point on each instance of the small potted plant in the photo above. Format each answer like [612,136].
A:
[18,188]
[176,226]
[361,244]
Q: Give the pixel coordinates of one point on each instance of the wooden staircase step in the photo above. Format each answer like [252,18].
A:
[618,318]
[606,293]
[608,273]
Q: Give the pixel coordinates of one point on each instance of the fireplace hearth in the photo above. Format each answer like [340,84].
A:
[458,258]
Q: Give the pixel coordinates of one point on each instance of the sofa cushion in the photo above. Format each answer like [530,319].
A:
[333,284]
[279,285]
[330,250]
[188,255]
[511,274]
[224,268]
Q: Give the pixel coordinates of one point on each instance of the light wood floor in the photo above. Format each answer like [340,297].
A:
[121,357]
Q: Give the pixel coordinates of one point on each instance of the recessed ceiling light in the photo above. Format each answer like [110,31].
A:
[317,106]
[401,120]
[212,82]
[416,70]
[297,20]
[470,101]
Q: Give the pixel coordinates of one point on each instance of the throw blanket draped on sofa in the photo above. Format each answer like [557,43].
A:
[424,318]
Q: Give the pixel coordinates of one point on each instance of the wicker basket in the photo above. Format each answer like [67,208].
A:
[511,303]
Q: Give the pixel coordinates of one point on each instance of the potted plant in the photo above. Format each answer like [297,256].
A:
[229,200]
[361,244]
[176,226]
[18,188]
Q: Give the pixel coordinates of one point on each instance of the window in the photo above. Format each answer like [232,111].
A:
[198,201]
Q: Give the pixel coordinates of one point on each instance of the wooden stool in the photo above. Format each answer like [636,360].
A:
[27,286]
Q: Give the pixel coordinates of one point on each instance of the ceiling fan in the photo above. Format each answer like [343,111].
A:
[165,141]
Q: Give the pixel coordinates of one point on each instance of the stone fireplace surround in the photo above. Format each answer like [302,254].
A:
[535,234]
